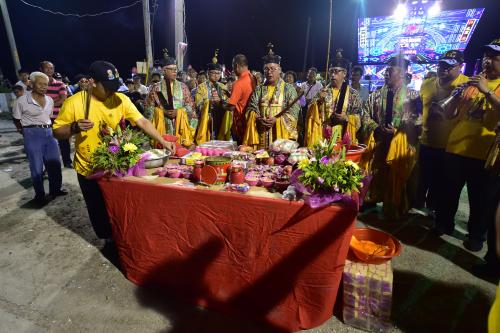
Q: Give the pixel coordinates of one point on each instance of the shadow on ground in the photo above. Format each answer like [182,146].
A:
[421,304]
[66,211]
[417,232]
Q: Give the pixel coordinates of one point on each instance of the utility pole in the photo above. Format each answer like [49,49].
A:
[306,49]
[179,32]
[147,33]
[10,35]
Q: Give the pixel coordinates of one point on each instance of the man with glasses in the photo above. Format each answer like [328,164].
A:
[170,106]
[391,118]
[337,105]
[436,129]
[271,114]
[477,112]
[209,100]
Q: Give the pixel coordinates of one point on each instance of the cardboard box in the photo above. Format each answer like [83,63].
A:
[368,296]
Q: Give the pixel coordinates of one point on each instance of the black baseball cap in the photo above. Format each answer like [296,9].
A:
[494,46]
[106,73]
[452,57]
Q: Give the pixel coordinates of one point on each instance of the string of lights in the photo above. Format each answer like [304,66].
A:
[80,15]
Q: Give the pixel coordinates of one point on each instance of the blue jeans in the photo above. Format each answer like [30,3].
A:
[42,149]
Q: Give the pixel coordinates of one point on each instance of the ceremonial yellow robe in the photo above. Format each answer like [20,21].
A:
[269,101]
[319,114]
[212,117]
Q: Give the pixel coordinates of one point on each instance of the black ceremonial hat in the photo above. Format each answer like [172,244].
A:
[168,60]
[340,61]
[271,57]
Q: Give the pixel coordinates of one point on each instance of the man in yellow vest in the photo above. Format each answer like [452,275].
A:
[338,104]
[436,129]
[477,112]
[273,109]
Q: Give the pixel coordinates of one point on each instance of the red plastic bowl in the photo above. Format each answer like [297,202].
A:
[378,237]
[355,152]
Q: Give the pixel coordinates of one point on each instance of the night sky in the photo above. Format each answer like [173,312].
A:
[233,26]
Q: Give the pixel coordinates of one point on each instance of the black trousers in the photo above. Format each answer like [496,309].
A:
[64,148]
[458,171]
[301,125]
[430,174]
[95,206]
[492,201]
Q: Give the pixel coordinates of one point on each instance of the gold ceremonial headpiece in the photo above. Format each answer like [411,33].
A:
[214,65]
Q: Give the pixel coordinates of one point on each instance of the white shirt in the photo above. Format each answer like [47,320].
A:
[363,92]
[311,91]
[143,90]
[30,112]
[21,83]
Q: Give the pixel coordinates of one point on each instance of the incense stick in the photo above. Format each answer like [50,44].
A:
[88,94]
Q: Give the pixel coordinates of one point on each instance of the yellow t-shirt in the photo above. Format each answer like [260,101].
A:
[494,317]
[435,131]
[109,112]
[474,133]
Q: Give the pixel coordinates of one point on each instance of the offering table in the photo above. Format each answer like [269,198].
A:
[251,255]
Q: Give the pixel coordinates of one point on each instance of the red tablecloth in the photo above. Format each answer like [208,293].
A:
[266,259]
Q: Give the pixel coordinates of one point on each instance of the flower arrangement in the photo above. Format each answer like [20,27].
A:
[328,177]
[120,153]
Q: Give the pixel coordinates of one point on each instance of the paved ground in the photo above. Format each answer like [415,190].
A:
[53,278]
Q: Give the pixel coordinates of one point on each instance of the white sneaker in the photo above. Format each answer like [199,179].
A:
[420,211]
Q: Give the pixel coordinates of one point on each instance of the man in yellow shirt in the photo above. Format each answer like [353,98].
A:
[106,106]
[435,128]
[477,111]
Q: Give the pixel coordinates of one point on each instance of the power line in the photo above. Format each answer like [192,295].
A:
[79,15]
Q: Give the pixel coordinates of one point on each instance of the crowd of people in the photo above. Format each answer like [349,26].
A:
[420,151]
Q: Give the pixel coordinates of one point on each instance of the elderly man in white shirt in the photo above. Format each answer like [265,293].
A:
[32,118]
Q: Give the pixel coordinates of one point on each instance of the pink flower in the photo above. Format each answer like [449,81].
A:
[324,160]
[113,149]
[327,132]
[122,124]
[320,180]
